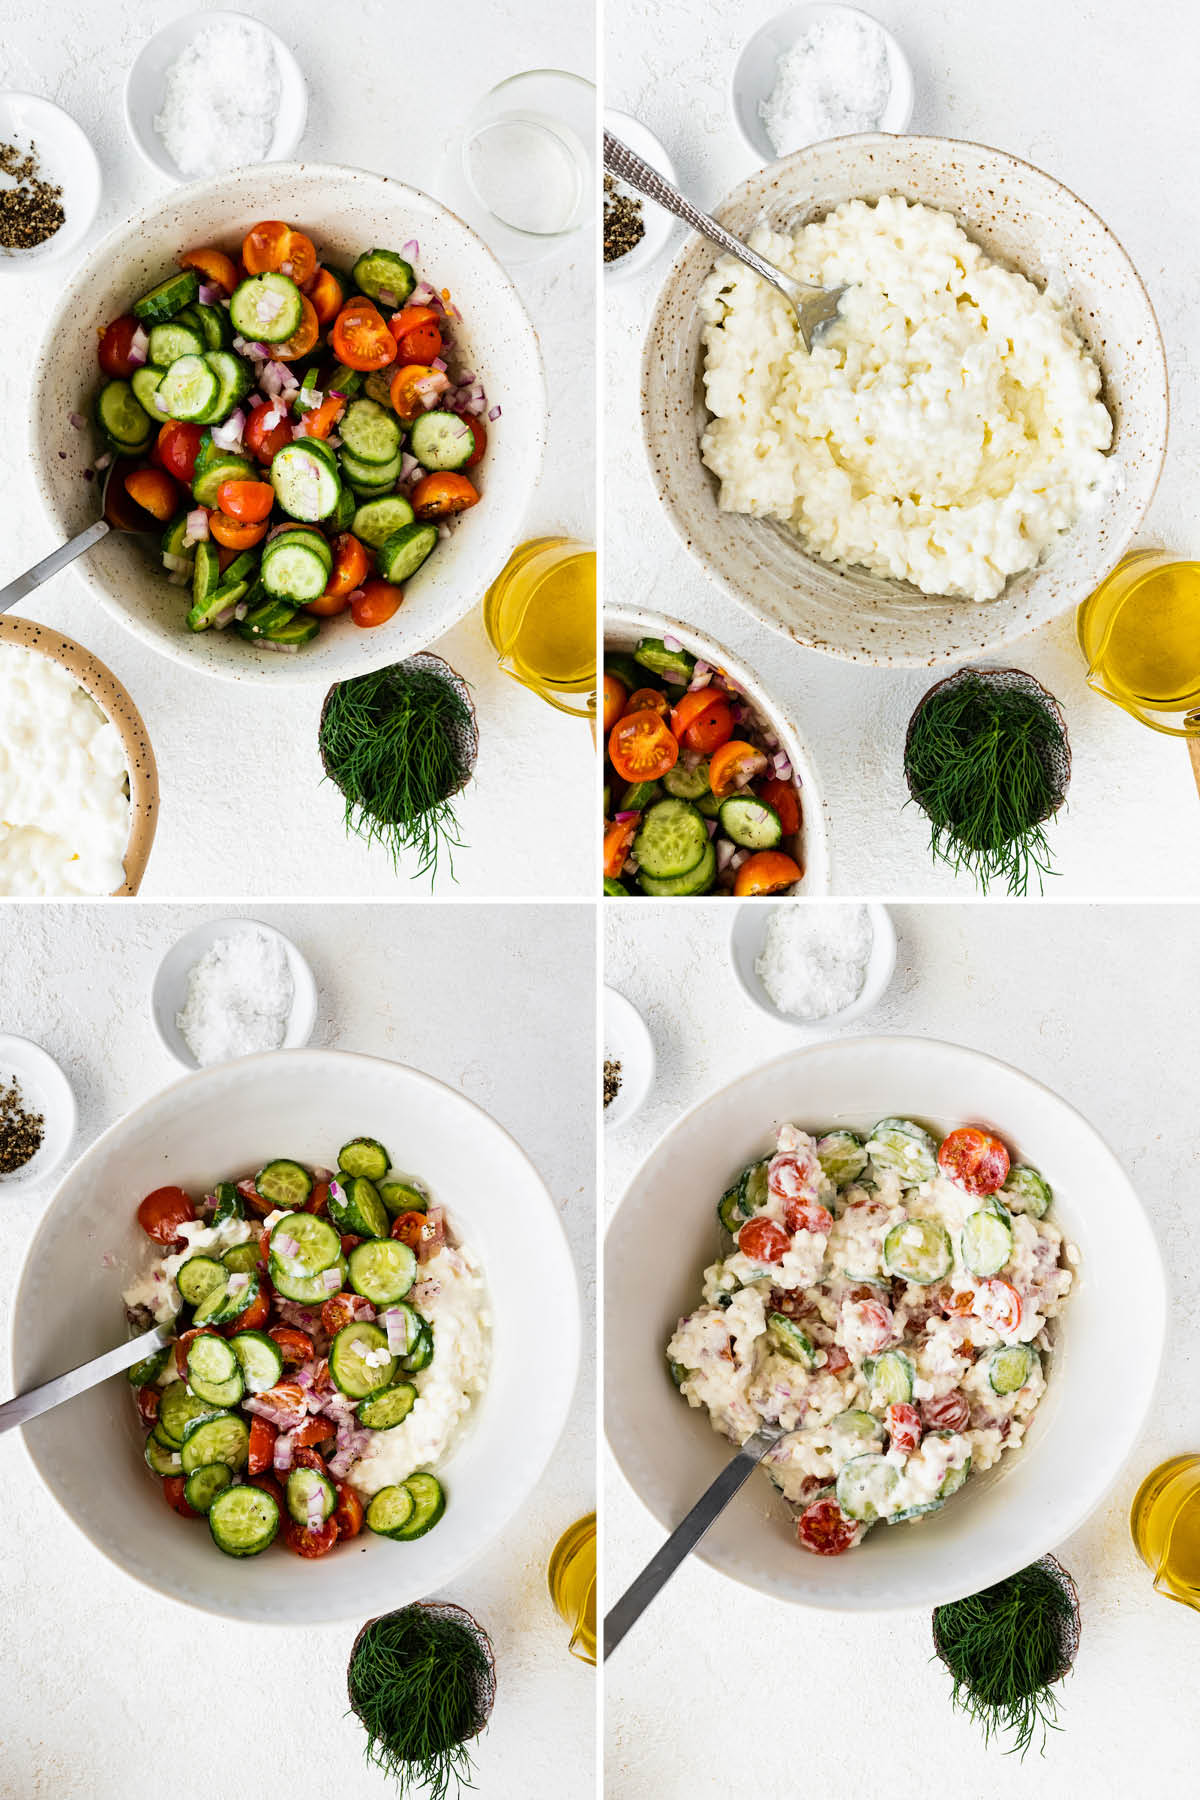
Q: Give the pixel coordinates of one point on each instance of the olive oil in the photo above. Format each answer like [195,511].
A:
[1140,633]
[540,615]
[1164,1523]
[572,1581]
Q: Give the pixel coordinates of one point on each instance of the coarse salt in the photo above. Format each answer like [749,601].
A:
[239,999]
[814,961]
[221,100]
[834,81]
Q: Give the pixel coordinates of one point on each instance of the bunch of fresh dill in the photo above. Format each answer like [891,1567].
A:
[987,761]
[400,743]
[421,1683]
[1006,1647]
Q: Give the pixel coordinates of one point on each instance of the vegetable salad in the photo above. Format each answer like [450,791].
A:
[298,1353]
[888,1303]
[698,797]
[303,434]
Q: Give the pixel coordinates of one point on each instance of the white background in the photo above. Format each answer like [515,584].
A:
[1108,107]
[243,810]
[100,1680]
[720,1691]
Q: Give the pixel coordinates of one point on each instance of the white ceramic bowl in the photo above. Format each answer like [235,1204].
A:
[145,88]
[750,925]
[664,1235]
[1020,216]
[344,211]
[305,1102]
[627,1040]
[44,1089]
[169,992]
[659,224]
[757,69]
[66,160]
[625,625]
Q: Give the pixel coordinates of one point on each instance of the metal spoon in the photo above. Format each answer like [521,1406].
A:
[813,307]
[683,1540]
[24,1407]
[50,565]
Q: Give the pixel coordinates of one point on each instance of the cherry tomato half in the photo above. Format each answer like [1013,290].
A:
[348,1513]
[948,1412]
[903,1426]
[262,1446]
[233,534]
[212,266]
[309,1540]
[648,699]
[173,1494]
[703,720]
[998,1304]
[478,431]
[360,339]
[305,336]
[320,422]
[417,333]
[263,441]
[120,509]
[763,1241]
[249,501]
[163,1211]
[441,495]
[974,1159]
[377,602]
[641,747]
[350,567]
[734,766]
[783,797]
[155,491]
[769,872]
[295,1346]
[614,701]
[327,296]
[807,1215]
[408,1226]
[404,392]
[618,837]
[177,448]
[115,346]
[824,1529]
[184,1343]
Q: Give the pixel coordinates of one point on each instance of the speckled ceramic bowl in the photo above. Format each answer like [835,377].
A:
[344,211]
[624,626]
[112,700]
[1023,218]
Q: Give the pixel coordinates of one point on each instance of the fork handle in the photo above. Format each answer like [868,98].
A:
[625,163]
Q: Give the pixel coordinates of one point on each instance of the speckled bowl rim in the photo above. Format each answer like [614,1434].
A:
[815,828]
[293,671]
[982,644]
[115,703]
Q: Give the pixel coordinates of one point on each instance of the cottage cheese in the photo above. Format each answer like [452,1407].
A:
[834,1284]
[944,431]
[64,788]
[155,1291]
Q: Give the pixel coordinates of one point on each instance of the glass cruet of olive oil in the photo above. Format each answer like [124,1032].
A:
[1164,1522]
[540,616]
[1140,633]
[571,1577]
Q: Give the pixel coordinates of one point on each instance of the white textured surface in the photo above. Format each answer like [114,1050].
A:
[243,810]
[1047,84]
[1078,996]
[497,1001]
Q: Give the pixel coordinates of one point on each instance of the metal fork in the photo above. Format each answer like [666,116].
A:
[813,307]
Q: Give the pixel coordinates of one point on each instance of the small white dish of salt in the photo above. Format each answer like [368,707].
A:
[813,963]
[231,988]
[215,91]
[818,72]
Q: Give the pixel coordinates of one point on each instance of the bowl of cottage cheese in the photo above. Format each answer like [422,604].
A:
[78,781]
[493,1400]
[827,1244]
[967,448]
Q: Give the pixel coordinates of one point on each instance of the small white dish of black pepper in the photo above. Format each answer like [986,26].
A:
[49,182]
[628,1059]
[37,1115]
[636,232]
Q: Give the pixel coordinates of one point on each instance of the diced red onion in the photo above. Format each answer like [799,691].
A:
[673,644]
[282,1453]
[331,1280]
[621,817]
[443,531]
[285,1244]
[76,422]
[783,767]
[738,858]
[139,347]
[241,609]
[323,1174]
[411,250]
[334,441]
[256,400]
[229,435]
[712,827]
[197,526]
[395,1323]
[180,578]
[102,462]
[476,408]
[273,418]
[388,297]
[279,649]
[160,404]
[494,414]
[699,680]
[725,853]
[209,295]
[224,619]
[422,295]
[268,306]
[438,363]
[285,268]
[237,1282]
[178,564]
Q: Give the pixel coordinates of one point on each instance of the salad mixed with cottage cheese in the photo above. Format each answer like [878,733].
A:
[944,430]
[330,1341]
[888,1303]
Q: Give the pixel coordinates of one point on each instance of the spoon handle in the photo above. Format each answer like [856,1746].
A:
[625,163]
[50,565]
[77,1381]
[683,1540]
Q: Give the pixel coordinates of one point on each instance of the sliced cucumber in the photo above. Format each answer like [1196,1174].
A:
[355,1207]
[188,389]
[383,1411]
[172,340]
[360,1361]
[441,440]
[727,1211]
[421,1354]
[168,298]
[402,552]
[1011,1366]
[864,1487]
[671,840]
[177,1409]
[305,485]
[122,418]
[214,1373]
[162,1459]
[229,1201]
[228,1302]
[857,1431]
[390,1510]
[276,623]
[384,276]
[672,665]
[206,573]
[787,1337]
[750,822]
[918,1250]
[205,1483]
[753,1187]
[150,1368]
[987,1241]
[842,1156]
[429,1503]
[639,795]
[307,1290]
[234,381]
[207,479]
[312,1243]
[260,1359]
[371,432]
[145,383]
[197,1277]
[902,1147]
[375,521]
[243,1520]
[309,1494]
[891,1376]
[403,1196]
[241,1257]
[382,1271]
[286,1185]
[266,309]
[687,784]
[696,881]
[372,479]
[214,325]
[1027,1191]
[364,1156]
[224,1439]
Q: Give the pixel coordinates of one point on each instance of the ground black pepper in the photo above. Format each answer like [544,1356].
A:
[21,1132]
[623,223]
[31,210]
[612,1081]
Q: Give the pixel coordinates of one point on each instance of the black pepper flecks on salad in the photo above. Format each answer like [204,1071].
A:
[304,435]
[292,1350]
[698,796]
[888,1303]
